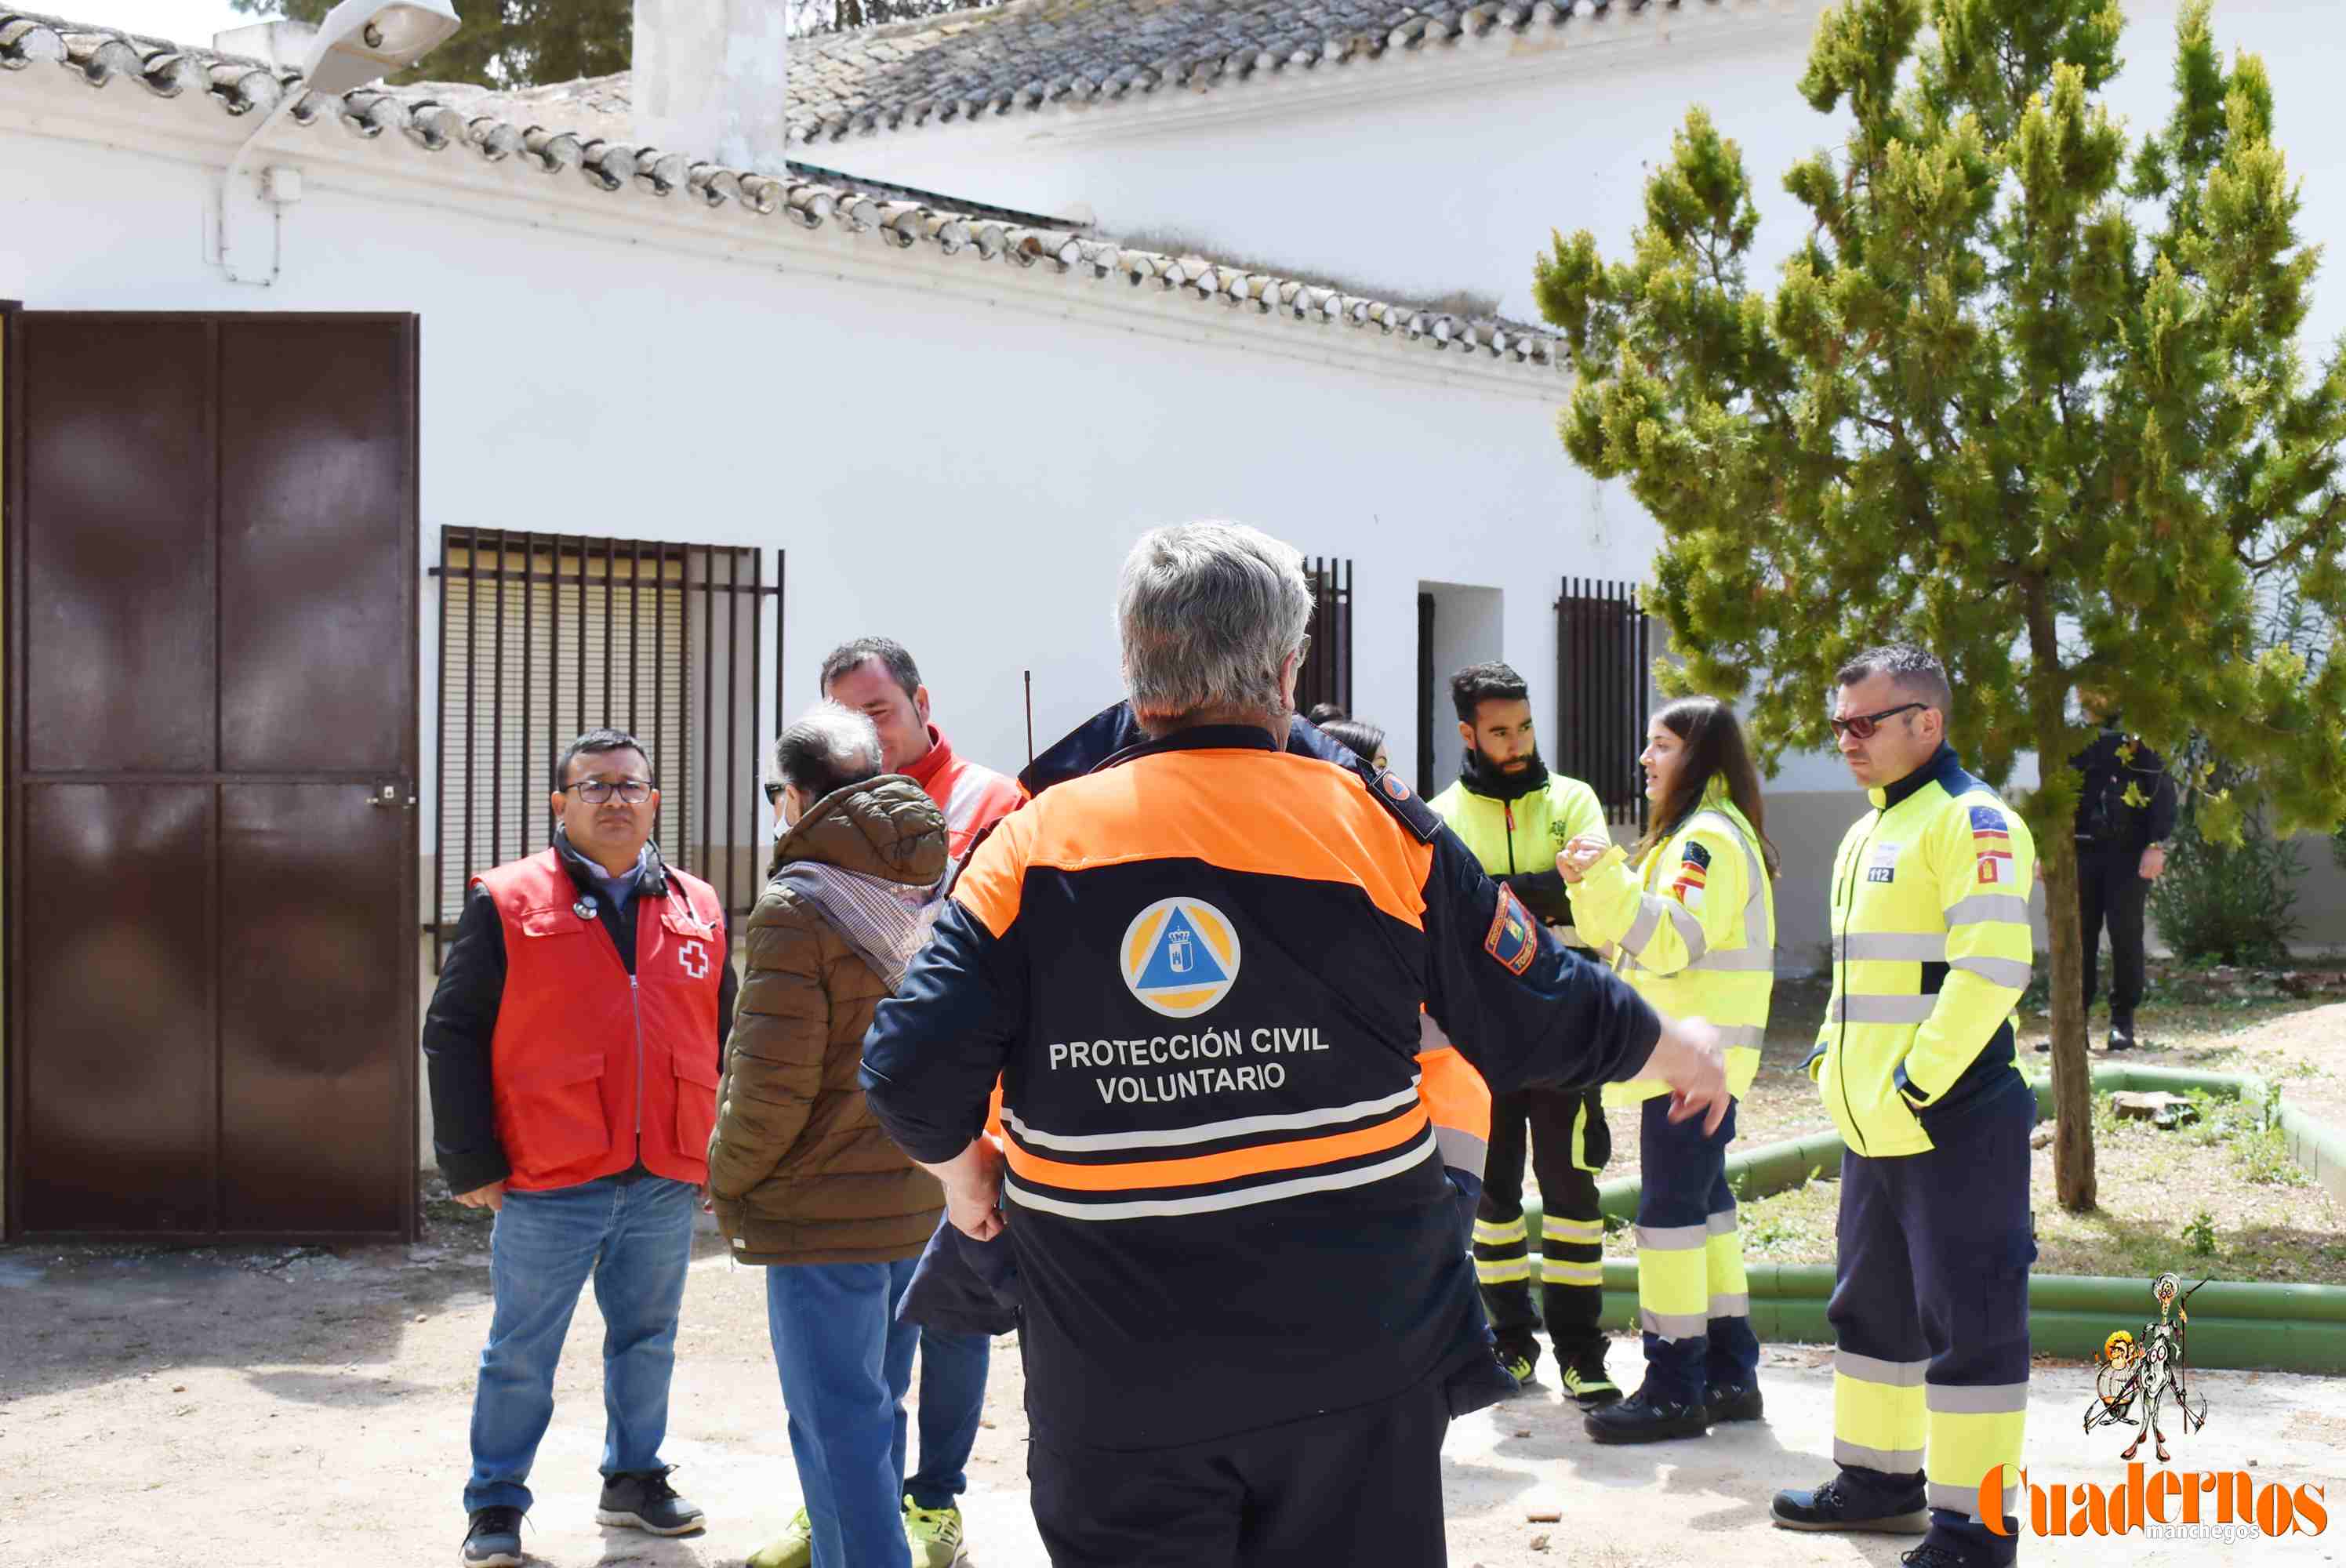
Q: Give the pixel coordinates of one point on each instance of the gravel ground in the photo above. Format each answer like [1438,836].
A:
[218,1409]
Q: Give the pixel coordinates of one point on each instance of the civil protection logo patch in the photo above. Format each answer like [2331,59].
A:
[1179,956]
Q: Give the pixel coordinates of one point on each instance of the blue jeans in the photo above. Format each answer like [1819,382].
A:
[845,1362]
[634,1239]
[953,1397]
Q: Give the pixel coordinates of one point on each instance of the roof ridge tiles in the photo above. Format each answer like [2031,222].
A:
[435,119]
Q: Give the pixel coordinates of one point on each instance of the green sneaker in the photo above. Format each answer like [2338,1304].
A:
[1585,1382]
[933,1534]
[793,1548]
[1516,1366]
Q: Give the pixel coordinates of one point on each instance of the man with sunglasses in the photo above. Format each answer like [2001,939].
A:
[1931,951]
[574,1042]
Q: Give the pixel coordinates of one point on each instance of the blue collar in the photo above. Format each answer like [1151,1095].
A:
[1198,737]
[1944,768]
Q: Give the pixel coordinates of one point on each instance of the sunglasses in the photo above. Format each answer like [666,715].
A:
[774,793]
[1864,725]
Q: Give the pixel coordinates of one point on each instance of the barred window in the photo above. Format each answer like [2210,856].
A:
[1326,672]
[1604,659]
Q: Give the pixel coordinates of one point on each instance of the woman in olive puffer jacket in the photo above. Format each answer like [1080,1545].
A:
[800,1174]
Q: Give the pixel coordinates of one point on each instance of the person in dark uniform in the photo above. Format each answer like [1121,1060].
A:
[1197,972]
[2125,813]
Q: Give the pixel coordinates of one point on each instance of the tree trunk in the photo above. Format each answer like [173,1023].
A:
[2056,867]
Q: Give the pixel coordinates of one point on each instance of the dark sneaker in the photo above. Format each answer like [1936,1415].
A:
[1732,1402]
[2121,1039]
[1518,1367]
[1829,1508]
[643,1500]
[1642,1418]
[2044,1046]
[1937,1554]
[1585,1382]
[493,1539]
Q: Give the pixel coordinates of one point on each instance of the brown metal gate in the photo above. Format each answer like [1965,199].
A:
[211,835]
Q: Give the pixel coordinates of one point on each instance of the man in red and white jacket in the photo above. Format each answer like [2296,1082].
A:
[878,678]
[574,1042]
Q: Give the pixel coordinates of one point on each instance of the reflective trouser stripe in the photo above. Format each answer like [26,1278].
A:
[1878,1416]
[1503,1270]
[1730,1290]
[1965,1500]
[1673,1280]
[1556,1272]
[1500,1232]
[1972,1429]
[1579,1232]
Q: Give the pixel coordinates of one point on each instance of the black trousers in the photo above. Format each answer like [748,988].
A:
[1360,1487]
[1569,1144]
[2111,893]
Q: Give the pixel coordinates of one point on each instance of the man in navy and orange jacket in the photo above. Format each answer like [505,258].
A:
[1197,972]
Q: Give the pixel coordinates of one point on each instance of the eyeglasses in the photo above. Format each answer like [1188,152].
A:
[1863,724]
[774,793]
[595,792]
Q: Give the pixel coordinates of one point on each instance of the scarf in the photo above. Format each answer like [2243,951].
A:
[886,923]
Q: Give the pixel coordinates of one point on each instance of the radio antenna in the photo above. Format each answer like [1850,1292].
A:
[1030,718]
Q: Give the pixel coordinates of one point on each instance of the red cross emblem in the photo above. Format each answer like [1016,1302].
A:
[695,958]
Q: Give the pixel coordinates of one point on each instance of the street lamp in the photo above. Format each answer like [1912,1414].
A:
[361,41]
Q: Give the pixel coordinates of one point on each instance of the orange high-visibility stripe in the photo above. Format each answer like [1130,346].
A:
[1201,1170]
[1453,1092]
[1265,813]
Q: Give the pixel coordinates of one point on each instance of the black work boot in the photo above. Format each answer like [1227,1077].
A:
[1829,1507]
[1939,1555]
[2122,1036]
[643,1500]
[1733,1402]
[1645,1417]
[493,1540]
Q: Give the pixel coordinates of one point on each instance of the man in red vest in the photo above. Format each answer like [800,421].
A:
[877,677]
[574,1042]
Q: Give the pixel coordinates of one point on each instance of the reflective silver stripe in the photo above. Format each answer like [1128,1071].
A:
[1738,961]
[1557,1271]
[1642,929]
[1978,1400]
[1721,1224]
[1866,1369]
[1891,1461]
[1581,1232]
[1677,1325]
[1462,1150]
[1882,1009]
[1503,1270]
[1501,1232]
[2010,972]
[1730,1306]
[1981,907]
[1749,1036]
[1672,1237]
[1688,926]
[1207,1132]
[1895,946]
[1210,1203]
[1965,1500]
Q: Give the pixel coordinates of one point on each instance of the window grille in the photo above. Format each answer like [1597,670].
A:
[544,636]
[1604,653]
[1326,672]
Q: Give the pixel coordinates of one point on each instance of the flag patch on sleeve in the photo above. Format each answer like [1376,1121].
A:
[1694,875]
[1991,847]
[1514,938]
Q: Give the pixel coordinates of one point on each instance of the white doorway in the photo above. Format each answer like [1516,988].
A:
[1459,624]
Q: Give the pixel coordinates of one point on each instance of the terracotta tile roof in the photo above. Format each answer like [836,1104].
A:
[1030,53]
[496,128]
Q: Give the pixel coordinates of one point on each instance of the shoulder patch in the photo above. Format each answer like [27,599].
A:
[1697,856]
[1513,937]
[1402,801]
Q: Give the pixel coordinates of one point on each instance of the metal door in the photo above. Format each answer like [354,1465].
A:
[211,855]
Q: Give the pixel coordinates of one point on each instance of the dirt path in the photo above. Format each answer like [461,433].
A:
[239,1410]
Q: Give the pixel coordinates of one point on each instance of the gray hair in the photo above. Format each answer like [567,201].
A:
[1207,613]
[829,748]
[1916,671]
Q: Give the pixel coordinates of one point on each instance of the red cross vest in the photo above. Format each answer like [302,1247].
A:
[591,1065]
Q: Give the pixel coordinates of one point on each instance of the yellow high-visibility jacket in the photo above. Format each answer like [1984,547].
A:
[1694,929]
[1520,838]
[1930,950]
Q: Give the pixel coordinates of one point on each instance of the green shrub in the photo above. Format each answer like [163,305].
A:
[2222,903]
[2201,1235]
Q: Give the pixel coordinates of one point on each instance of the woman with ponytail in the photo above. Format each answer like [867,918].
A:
[1689,917]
